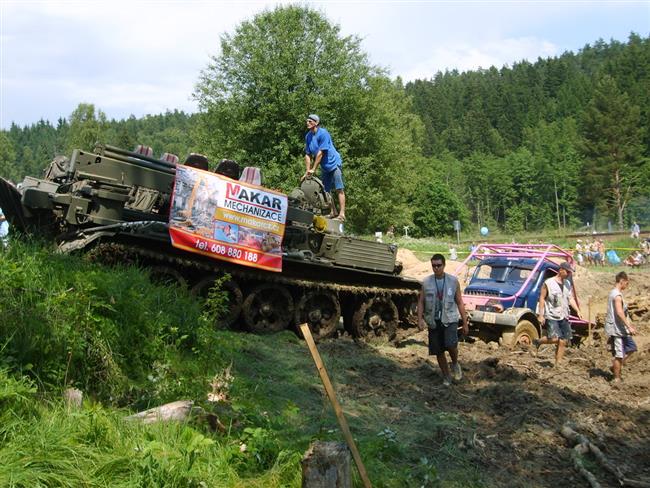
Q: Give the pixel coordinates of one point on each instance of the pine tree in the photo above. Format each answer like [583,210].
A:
[8,169]
[612,146]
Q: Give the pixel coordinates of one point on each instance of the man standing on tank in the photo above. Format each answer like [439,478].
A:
[320,150]
[555,300]
[440,307]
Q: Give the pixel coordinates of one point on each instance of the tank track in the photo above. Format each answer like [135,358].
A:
[368,311]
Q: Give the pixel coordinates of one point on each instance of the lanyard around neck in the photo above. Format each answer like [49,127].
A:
[438,291]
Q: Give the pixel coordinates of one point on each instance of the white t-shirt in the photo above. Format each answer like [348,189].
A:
[556,305]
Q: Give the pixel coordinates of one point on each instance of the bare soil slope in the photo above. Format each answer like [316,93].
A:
[515,403]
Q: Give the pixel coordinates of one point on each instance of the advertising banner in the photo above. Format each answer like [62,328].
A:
[227,219]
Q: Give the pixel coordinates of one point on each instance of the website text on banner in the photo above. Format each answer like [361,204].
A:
[227,219]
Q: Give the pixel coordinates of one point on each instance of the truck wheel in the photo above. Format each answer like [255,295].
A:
[506,339]
[524,334]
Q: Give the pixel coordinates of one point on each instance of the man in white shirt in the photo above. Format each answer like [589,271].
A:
[618,326]
[555,300]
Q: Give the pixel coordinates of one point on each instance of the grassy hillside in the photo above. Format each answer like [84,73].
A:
[129,345]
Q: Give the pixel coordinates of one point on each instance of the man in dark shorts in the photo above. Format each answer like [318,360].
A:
[440,307]
[554,307]
[320,151]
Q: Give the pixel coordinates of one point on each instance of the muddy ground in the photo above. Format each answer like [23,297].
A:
[517,402]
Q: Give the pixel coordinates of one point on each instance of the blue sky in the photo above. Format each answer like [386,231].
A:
[139,57]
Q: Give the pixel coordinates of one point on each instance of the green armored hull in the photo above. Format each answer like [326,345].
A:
[120,205]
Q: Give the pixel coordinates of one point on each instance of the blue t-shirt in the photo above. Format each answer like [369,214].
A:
[322,141]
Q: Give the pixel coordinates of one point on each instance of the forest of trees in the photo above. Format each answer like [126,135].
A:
[555,143]
[552,144]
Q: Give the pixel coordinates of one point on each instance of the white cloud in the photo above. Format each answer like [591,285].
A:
[117,99]
[142,56]
[465,56]
[144,97]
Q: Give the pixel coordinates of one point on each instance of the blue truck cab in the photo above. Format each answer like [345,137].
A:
[504,287]
[505,277]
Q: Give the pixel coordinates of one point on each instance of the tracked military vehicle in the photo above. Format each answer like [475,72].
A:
[127,206]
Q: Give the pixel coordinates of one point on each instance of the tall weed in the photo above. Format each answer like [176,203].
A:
[97,447]
[67,322]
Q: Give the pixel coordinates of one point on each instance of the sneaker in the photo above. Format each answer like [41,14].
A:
[446,381]
[456,371]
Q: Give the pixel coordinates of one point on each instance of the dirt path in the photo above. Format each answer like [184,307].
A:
[517,402]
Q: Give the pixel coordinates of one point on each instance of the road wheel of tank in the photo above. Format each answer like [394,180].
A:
[234,295]
[408,311]
[523,335]
[375,319]
[166,275]
[268,308]
[321,310]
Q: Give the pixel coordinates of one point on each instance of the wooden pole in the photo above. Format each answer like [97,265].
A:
[335,404]
[591,341]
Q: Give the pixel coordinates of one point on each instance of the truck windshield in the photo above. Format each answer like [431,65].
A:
[500,273]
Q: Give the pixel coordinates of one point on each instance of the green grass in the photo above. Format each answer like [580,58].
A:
[96,446]
[129,345]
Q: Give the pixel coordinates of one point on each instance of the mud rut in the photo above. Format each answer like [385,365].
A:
[515,402]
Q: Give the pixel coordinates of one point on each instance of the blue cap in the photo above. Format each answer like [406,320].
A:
[566,266]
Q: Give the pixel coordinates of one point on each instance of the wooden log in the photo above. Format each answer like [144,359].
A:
[635,483]
[326,465]
[576,455]
[583,446]
[329,389]
[178,410]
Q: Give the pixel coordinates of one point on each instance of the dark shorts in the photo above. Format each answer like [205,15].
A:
[332,179]
[442,338]
[558,328]
[621,346]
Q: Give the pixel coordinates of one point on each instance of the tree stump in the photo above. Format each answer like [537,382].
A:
[326,465]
